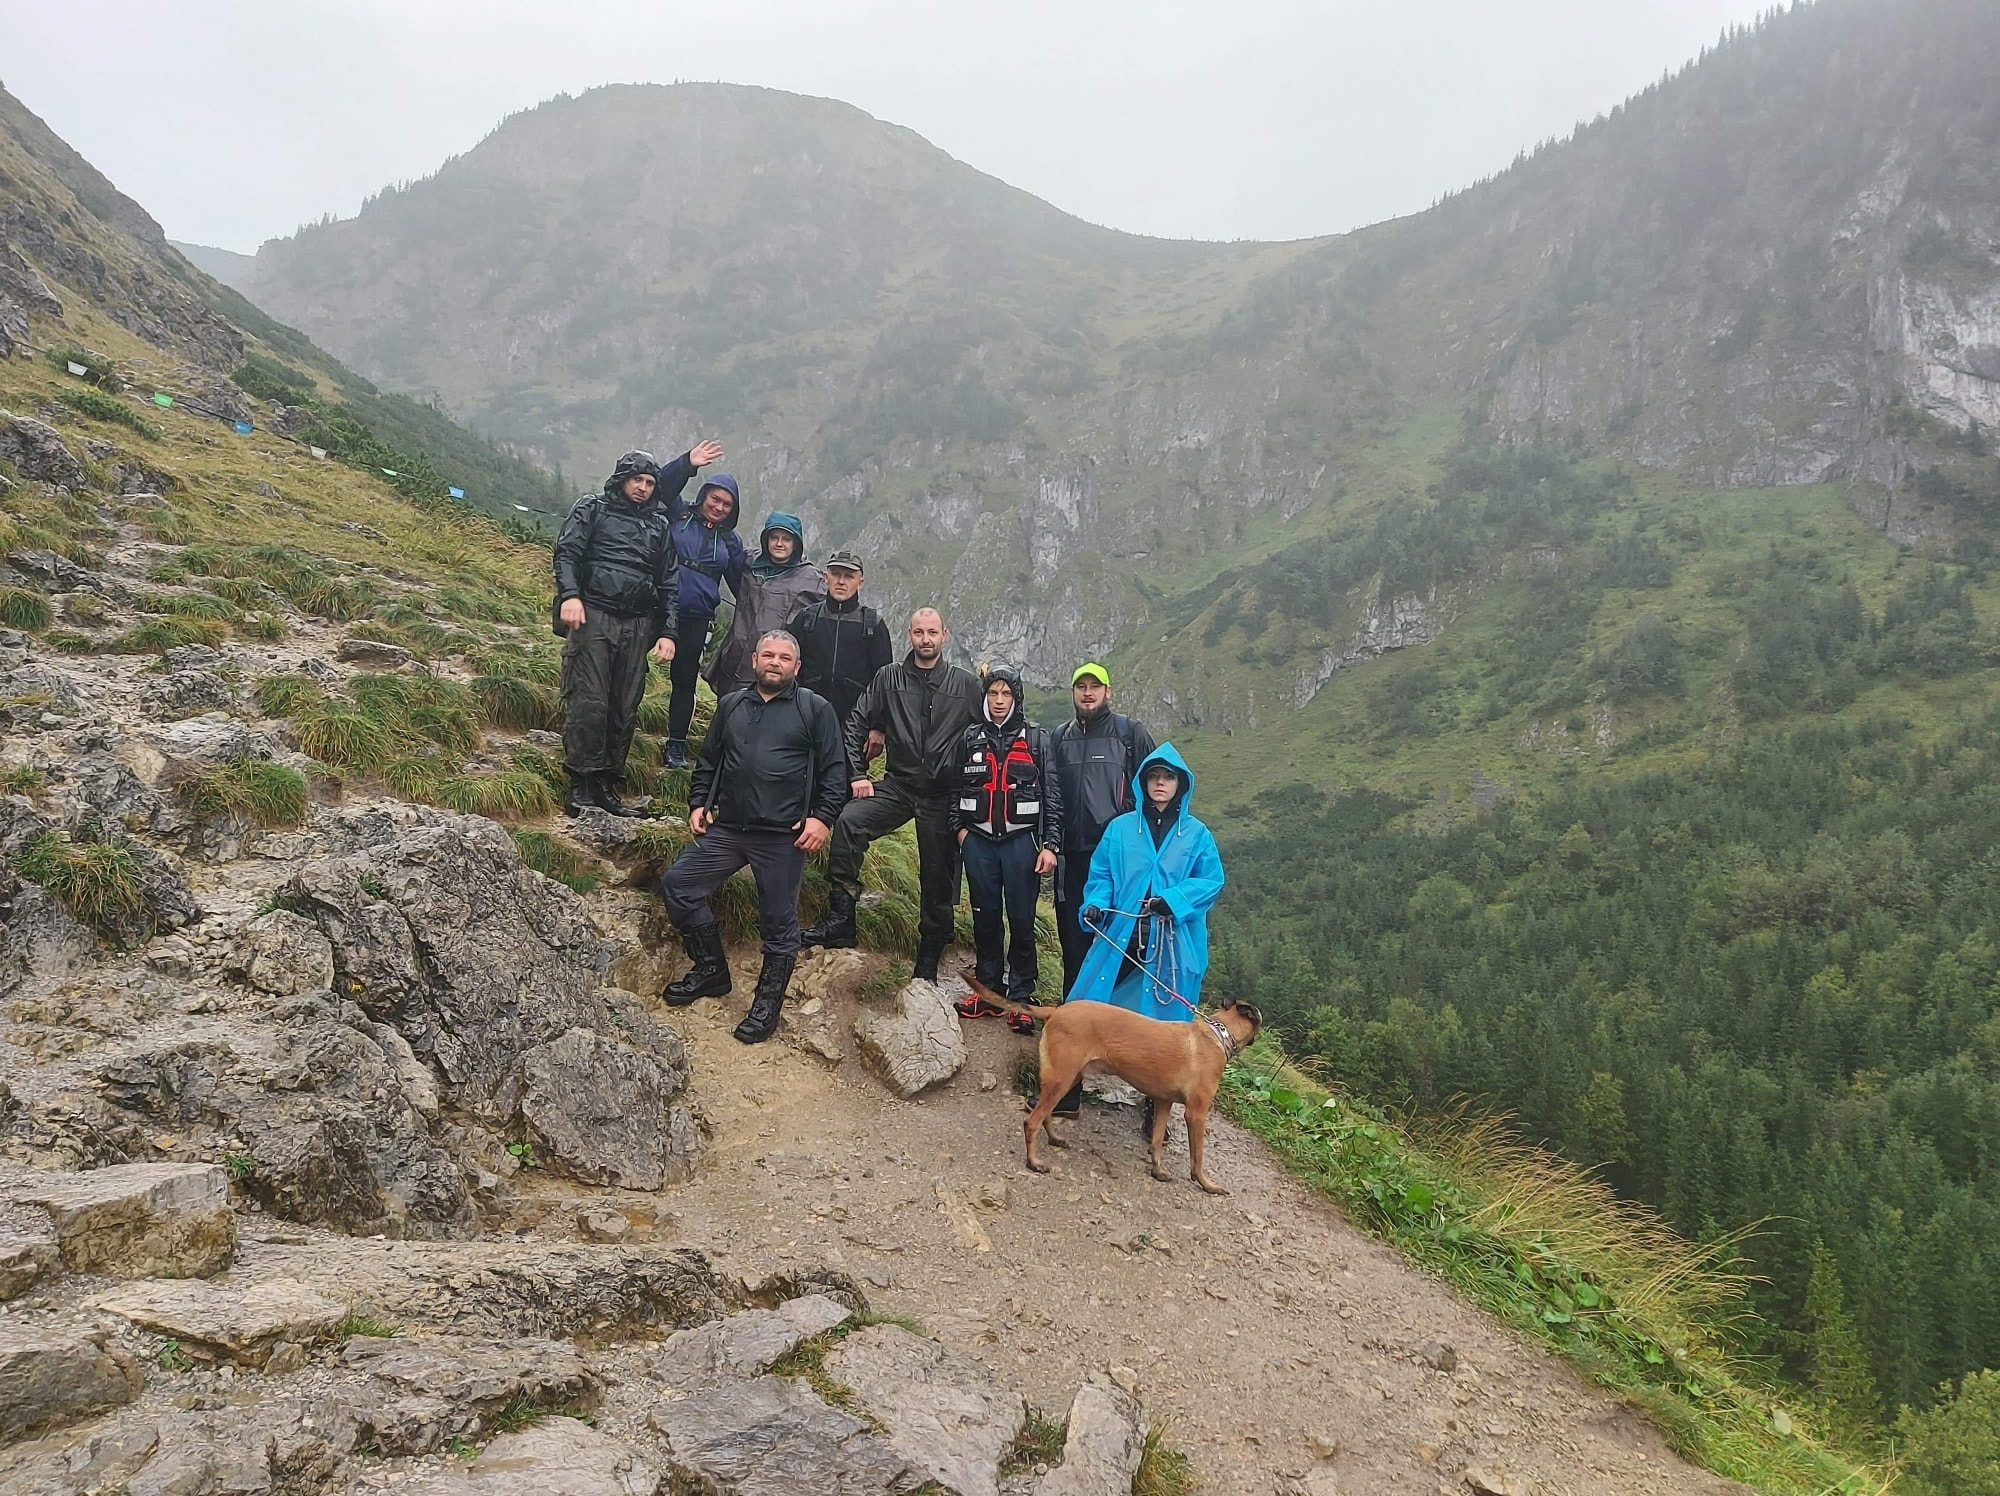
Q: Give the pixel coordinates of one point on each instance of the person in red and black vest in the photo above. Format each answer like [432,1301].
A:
[1008,814]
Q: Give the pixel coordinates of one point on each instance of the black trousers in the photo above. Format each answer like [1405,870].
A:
[689,641]
[705,864]
[1001,871]
[603,679]
[1071,872]
[893,803]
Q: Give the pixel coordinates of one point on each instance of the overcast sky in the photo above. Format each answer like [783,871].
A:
[234,121]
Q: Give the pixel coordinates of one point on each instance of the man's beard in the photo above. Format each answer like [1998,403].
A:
[926,657]
[772,680]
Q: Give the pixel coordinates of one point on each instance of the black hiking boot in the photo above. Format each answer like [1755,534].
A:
[924,968]
[578,798]
[836,931]
[605,797]
[675,754]
[762,1020]
[709,976]
[1071,1106]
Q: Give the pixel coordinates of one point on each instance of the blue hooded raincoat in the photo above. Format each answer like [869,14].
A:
[1185,870]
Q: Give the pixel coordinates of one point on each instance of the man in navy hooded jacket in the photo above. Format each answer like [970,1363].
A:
[617,602]
[710,554]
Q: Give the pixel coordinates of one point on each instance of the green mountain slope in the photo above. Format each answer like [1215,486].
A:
[1773,268]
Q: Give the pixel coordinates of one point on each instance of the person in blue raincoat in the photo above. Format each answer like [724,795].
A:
[1152,880]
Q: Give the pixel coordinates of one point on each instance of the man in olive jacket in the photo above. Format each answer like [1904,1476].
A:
[617,600]
[917,709]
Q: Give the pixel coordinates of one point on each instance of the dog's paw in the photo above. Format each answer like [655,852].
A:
[1211,1189]
[1037,1168]
[1057,1140]
[1161,1174]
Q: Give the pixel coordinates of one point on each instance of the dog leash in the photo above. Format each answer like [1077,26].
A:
[1166,957]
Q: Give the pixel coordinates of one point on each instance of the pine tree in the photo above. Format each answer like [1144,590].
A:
[1836,1365]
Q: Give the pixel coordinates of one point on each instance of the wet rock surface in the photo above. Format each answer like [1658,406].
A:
[136,1220]
[920,1045]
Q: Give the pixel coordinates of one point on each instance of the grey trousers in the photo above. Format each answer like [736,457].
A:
[705,864]
[603,679]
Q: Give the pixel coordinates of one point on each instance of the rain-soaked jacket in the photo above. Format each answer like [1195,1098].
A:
[1185,870]
[770,596]
[709,557]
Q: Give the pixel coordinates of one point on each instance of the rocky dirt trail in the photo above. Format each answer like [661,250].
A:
[1283,1348]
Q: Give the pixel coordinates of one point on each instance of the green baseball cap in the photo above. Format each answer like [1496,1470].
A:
[1091,667]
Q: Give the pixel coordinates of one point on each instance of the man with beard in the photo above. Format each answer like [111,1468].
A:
[919,708]
[845,643]
[769,784]
[616,602]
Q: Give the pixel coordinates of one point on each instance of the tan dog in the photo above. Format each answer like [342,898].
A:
[1167,1061]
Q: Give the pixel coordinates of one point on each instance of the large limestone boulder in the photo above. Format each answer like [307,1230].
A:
[52,1377]
[38,453]
[745,1345]
[950,1417]
[424,1394]
[38,936]
[24,1261]
[919,1046]
[602,1110]
[555,1457]
[137,1220]
[1107,1435]
[441,932]
[338,1119]
[775,1437]
[228,1322]
[282,953]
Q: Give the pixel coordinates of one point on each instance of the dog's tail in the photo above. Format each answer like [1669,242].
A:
[989,998]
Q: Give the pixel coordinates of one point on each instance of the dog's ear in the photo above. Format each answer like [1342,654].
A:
[1251,1013]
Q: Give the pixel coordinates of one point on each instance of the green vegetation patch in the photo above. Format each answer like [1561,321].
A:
[265,793]
[96,881]
[102,407]
[24,608]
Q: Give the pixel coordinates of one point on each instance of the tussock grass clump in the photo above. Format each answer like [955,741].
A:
[24,608]
[554,859]
[246,593]
[486,607]
[22,780]
[95,881]
[1163,1470]
[189,605]
[509,795]
[69,642]
[158,635]
[84,607]
[509,701]
[332,599]
[653,714]
[265,793]
[266,626]
[336,731]
[169,526]
[284,695]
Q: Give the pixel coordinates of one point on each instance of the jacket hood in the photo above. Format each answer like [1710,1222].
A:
[727,484]
[764,566]
[630,465]
[1166,754]
[1013,680]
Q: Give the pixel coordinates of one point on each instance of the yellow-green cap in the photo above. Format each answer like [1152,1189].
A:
[1091,667]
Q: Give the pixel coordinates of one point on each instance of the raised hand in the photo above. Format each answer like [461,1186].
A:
[704,453]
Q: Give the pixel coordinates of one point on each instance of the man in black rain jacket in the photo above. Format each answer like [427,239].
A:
[844,643]
[767,789]
[919,708]
[616,601]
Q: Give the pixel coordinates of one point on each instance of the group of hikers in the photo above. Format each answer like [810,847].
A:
[808,696]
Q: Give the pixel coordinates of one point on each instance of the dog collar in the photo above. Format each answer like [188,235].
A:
[1222,1037]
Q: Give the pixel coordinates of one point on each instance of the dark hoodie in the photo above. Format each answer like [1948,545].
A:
[618,555]
[1006,786]
[709,557]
